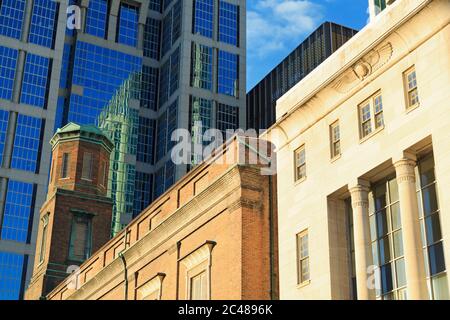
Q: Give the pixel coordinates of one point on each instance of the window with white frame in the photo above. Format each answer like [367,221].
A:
[199,286]
[335,139]
[300,163]
[412,94]
[302,257]
[371,115]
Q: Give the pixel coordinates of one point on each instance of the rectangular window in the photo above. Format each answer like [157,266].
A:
[8,61]
[410,81]
[371,115]
[43,23]
[200,114]
[227,117]
[300,163]
[11,18]
[429,214]
[96,18]
[302,257]
[128,25]
[142,192]
[387,241]
[145,140]
[201,66]
[4,118]
[335,139]
[203,18]
[65,166]
[35,80]
[11,274]
[228,73]
[27,143]
[80,238]
[199,287]
[19,206]
[44,237]
[228,23]
[151,38]
[86,172]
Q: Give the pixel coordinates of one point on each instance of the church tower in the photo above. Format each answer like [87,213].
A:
[75,220]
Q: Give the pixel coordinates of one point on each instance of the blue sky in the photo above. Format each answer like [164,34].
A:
[276,27]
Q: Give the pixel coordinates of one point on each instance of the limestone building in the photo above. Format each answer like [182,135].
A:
[212,235]
[363,151]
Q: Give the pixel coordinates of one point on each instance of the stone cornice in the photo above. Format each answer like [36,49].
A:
[194,209]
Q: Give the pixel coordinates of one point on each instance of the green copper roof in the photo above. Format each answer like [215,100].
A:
[70,127]
[89,132]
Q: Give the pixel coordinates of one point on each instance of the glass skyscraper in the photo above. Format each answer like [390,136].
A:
[189,56]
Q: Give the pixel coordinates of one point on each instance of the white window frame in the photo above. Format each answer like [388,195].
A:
[374,114]
[301,260]
[409,90]
[334,141]
[298,165]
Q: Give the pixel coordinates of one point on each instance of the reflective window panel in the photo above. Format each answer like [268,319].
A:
[142,192]
[228,23]
[201,66]
[35,78]
[18,208]
[8,62]
[96,18]
[228,71]
[4,117]
[203,17]
[145,140]
[128,25]
[11,270]
[26,143]
[11,18]
[43,23]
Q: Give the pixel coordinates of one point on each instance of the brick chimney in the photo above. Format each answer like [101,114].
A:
[75,220]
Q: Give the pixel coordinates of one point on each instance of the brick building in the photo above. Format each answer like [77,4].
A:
[75,220]
[210,236]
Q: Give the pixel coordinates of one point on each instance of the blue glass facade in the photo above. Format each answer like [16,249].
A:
[142,192]
[4,117]
[18,210]
[35,79]
[203,18]
[145,140]
[128,25]
[201,66]
[228,23]
[11,18]
[100,71]
[11,275]
[96,18]
[8,61]
[43,20]
[152,38]
[27,142]
[149,91]
[227,73]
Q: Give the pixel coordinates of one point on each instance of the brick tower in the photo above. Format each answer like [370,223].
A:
[75,219]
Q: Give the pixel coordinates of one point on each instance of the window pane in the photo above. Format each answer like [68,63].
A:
[426,168]
[128,25]
[11,18]
[436,257]
[440,287]
[430,203]
[395,214]
[433,227]
[11,269]
[400,271]
[228,23]
[382,224]
[386,278]
[385,252]
[87,166]
[43,23]
[228,73]
[203,17]
[96,18]
[201,72]
[35,80]
[18,207]
[398,243]
[4,118]
[8,61]
[27,140]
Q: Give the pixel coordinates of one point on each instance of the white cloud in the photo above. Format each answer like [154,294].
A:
[273,24]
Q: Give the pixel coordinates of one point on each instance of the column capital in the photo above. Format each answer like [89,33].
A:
[404,170]
[360,195]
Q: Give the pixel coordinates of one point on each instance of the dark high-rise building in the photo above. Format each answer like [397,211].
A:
[189,56]
[261,100]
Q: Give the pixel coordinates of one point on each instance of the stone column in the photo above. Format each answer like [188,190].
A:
[412,243]
[361,230]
